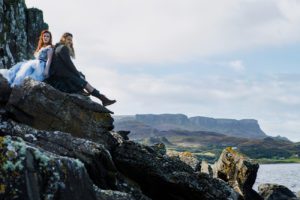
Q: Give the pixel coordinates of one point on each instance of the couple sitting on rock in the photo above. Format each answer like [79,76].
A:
[54,66]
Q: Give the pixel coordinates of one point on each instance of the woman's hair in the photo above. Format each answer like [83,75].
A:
[63,41]
[41,41]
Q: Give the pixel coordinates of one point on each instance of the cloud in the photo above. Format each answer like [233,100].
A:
[237,65]
[270,99]
[114,38]
[157,31]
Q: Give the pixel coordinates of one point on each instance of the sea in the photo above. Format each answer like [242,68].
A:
[282,174]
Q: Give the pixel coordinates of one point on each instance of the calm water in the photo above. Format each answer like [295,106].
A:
[282,174]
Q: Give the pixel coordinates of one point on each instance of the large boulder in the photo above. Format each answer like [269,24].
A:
[31,173]
[96,158]
[276,192]
[5,90]
[186,157]
[239,171]
[161,177]
[43,107]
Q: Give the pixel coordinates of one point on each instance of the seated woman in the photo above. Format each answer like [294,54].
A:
[63,74]
[37,68]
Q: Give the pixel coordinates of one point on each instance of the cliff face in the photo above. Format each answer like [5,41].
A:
[19,31]
[246,128]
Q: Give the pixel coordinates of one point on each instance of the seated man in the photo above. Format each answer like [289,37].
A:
[64,75]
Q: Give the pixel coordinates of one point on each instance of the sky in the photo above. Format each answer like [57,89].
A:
[236,59]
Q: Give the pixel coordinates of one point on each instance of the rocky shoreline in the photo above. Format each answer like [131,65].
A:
[61,146]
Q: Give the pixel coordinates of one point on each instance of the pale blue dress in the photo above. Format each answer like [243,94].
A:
[31,68]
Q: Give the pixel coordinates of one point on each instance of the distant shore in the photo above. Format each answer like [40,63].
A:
[277,161]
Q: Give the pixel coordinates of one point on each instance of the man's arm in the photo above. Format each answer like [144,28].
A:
[65,56]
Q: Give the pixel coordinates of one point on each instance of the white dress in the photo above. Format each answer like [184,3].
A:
[31,68]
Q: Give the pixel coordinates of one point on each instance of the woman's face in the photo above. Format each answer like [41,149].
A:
[69,40]
[46,38]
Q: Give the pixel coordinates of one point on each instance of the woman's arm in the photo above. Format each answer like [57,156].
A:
[49,56]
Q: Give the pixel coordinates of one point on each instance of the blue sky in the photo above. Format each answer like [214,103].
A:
[223,59]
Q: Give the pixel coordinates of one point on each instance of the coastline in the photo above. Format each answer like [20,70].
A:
[277,161]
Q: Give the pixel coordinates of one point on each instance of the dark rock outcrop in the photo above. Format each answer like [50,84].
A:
[29,172]
[276,192]
[186,157]
[5,91]
[161,177]
[95,157]
[41,106]
[19,31]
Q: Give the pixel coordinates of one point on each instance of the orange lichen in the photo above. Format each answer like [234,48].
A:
[187,153]
[2,188]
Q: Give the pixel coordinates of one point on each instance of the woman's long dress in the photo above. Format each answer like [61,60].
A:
[31,68]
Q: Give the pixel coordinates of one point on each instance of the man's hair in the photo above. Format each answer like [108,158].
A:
[63,41]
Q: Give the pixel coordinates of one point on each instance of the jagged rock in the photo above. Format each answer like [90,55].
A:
[124,134]
[111,194]
[5,90]
[186,157]
[161,177]
[43,107]
[95,157]
[276,192]
[160,148]
[35,23]
[238,171]
[19,31]
[206,168]
[28,172]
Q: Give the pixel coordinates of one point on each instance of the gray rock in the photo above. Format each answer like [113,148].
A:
[186,157]
[161,177]
[276,192]
[43,107]
[206,168]
[239,171]
[29,172]
[160,148]
[95,157]
[5,90]
[19,31]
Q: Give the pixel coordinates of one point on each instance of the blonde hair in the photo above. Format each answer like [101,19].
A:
[70,47]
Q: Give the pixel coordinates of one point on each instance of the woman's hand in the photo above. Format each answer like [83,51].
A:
[45,74]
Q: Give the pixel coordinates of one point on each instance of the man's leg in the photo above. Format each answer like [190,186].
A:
[96,93]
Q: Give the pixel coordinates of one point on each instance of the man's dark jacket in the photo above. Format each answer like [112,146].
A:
[62,65]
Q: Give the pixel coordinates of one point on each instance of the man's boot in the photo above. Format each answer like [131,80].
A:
[103,98]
